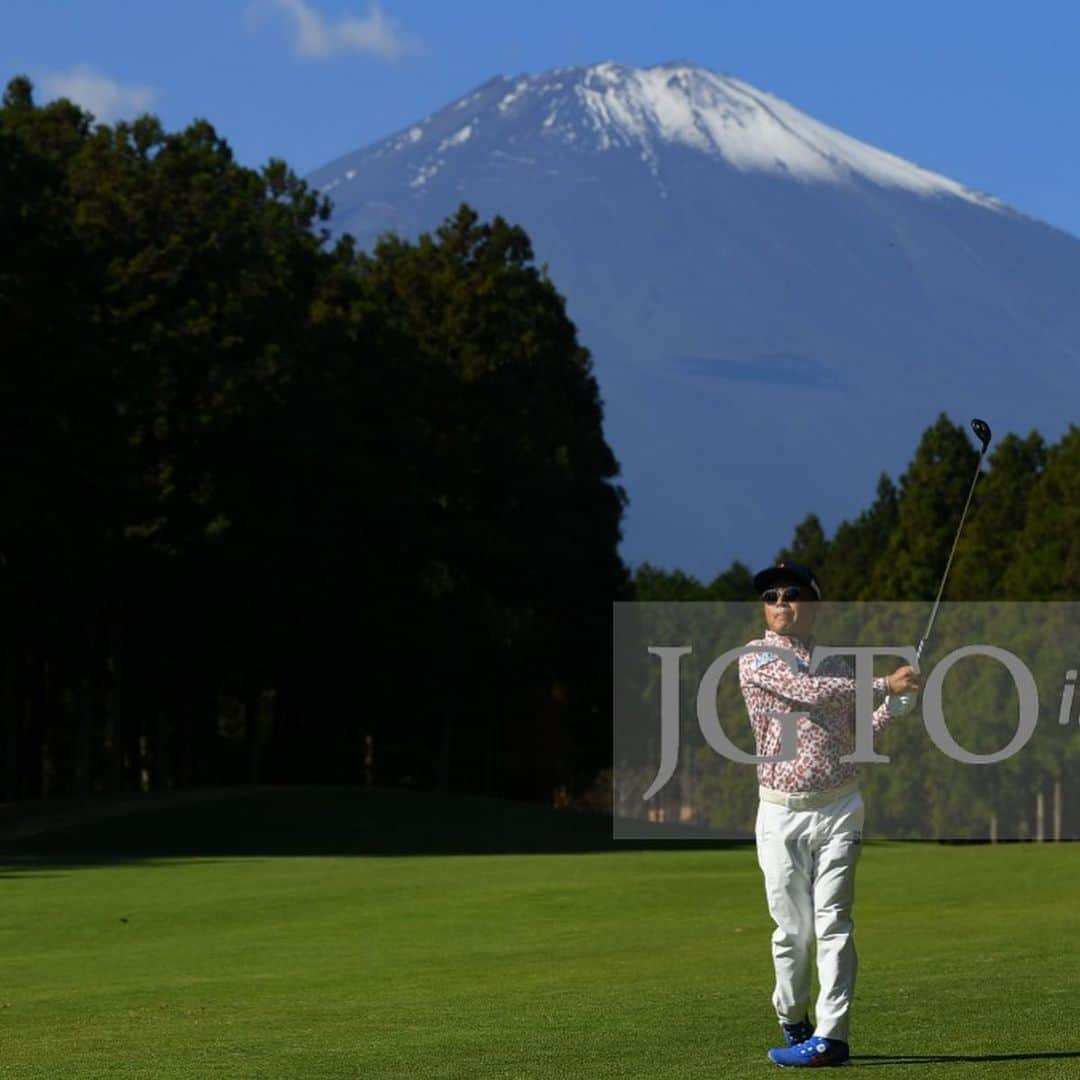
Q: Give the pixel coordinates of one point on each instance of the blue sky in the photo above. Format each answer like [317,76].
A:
[985,92]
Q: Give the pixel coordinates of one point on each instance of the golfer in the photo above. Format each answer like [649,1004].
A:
[810,817]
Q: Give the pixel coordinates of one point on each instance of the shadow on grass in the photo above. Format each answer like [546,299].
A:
[944,1059]
[305,820]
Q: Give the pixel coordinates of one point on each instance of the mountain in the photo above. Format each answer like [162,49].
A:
[776,310]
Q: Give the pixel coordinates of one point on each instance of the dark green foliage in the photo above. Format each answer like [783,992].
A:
[931,497]
[990,559]
[1048,544]
[735,583]
[654,584]
[1019,541]
[808,546]
[848,571]
[280,509]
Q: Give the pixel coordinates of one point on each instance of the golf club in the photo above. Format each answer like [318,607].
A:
[984,435]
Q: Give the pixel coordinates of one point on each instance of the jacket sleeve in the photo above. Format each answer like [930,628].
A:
[770,672]
[882,717]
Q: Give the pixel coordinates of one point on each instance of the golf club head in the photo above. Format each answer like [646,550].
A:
[982,432]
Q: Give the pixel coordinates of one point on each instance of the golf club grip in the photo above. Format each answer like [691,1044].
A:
[907,701]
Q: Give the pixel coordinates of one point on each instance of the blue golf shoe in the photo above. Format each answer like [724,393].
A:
[814,1052]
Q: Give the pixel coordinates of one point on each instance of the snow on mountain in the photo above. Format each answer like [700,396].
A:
[609,105]
[751,129]
[771,304]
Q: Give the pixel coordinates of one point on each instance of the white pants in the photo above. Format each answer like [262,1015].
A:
[808,858]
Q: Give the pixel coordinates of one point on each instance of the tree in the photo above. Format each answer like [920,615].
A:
[735,583]
[509,477]
[652,583]
[988,545]
[857,546]
[1047,562]
[931,495]
[808,546]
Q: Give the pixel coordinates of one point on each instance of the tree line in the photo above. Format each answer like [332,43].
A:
[1021,540]
[276,509]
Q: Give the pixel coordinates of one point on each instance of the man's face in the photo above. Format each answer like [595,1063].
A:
[792,618]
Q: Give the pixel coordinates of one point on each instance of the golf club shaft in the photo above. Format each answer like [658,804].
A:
[944,577]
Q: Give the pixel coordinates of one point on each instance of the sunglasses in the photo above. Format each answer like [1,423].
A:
[774,596]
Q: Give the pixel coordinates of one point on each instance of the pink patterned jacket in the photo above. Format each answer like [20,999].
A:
[828,697]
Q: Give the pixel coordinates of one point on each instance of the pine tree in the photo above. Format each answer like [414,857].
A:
[989,542]
[857,546]
[735,583]
[808,546]
[1047,561]
[931,496]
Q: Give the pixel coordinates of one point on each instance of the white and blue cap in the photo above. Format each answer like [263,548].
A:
[787,571]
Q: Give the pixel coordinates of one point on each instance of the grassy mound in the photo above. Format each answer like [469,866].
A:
[301,820]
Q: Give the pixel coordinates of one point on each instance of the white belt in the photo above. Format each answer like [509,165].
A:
[807,800]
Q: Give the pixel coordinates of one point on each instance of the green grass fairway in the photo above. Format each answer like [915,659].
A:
[633,964]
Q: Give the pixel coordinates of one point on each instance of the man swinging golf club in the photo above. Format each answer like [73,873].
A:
[810,817]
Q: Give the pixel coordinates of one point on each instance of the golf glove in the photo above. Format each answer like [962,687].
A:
[900,704]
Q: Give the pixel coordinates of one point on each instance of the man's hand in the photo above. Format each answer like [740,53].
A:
[905,680]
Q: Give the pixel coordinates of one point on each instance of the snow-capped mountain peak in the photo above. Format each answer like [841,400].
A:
[648,112]
[680,103]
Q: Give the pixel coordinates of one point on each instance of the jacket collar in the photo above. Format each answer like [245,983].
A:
[783,641]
